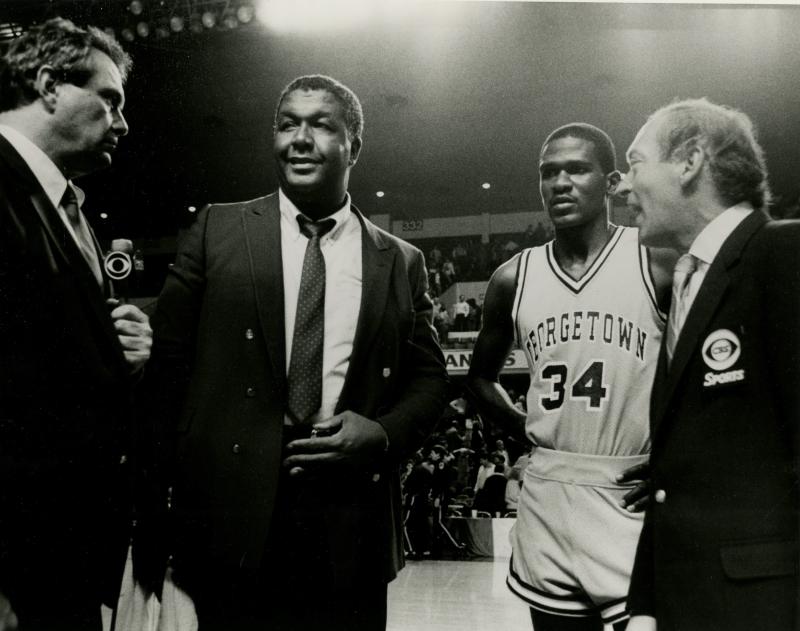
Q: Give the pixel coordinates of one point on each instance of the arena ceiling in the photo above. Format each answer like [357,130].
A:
[455,94]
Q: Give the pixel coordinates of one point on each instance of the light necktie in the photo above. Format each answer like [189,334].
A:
[679,309]
[305,367]
[69,202]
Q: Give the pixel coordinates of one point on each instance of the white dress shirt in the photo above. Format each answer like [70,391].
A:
[708,243]
[54,185]
[341,249]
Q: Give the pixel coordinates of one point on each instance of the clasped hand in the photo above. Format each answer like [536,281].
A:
[355,441]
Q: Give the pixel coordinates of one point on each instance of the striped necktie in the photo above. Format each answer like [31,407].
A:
[679,309]
[305,366]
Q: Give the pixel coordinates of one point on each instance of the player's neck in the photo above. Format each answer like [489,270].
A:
[580,245]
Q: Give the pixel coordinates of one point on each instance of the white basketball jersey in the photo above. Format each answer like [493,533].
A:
[592,346]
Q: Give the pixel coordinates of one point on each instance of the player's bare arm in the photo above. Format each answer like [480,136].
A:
[491,351]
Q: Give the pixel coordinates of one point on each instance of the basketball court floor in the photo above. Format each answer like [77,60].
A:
[450,595]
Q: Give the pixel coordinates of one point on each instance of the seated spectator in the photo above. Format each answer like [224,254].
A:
[435,257]
[492,497]
[448,274]
[500,452]
[460,313]
[459,256]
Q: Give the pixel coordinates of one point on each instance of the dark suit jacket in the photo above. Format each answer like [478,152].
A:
[219,338]
[64,409]
[721,551]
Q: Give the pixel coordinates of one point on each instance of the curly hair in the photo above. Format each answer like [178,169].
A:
[353,114]
[728,138]
[63,46]
[603,145]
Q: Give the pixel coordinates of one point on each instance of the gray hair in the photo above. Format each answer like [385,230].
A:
[728,137]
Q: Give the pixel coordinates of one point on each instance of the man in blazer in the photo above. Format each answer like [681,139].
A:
[69,358]
[282,518]
[719,548]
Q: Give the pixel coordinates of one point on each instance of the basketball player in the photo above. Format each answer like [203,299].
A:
[585,309]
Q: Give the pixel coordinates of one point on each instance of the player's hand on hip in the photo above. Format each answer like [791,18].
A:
[8,619]
[638,497]
[642,623]
[347,439]
[133,330]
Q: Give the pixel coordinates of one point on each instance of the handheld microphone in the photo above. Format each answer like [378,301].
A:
[118,265]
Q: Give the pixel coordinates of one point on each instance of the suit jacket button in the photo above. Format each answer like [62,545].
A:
[250,392]
[248,334]
[661,496]
[236,448]
[123,459]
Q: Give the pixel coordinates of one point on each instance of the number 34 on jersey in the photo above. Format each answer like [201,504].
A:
[586,385]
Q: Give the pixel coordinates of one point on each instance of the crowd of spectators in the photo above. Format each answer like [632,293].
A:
[465,315]
[467,259]
[464,469]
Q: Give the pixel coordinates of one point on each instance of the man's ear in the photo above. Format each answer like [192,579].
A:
[355,150]
[692,166]
[46,84]
[612,182]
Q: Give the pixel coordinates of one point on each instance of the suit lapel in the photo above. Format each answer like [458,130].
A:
[705,305]
[60,239]
[659,385]
[262,230]
[377,262]
[62,247]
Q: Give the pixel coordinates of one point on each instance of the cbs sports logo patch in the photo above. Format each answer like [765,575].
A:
[721,350]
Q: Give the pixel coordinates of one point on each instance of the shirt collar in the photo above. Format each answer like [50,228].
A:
[708,243]
[289,212]
[47,173]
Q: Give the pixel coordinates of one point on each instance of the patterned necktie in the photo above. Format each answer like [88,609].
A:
[305,367]
[679,309]
[69,202]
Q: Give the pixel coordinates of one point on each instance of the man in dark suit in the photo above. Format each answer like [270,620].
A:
[302,337]
[719,548]
[69,357]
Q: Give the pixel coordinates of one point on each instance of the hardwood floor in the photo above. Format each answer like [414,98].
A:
[463,595]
